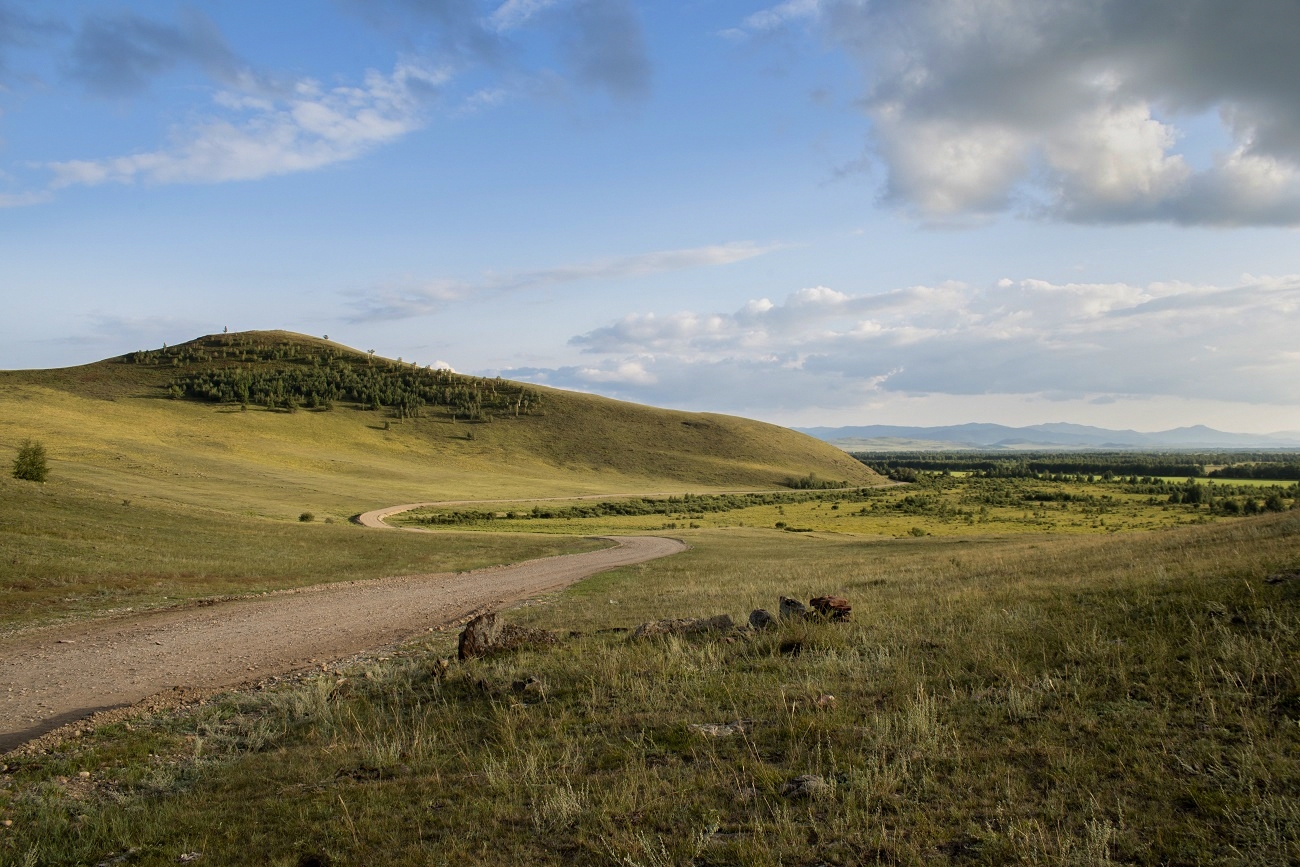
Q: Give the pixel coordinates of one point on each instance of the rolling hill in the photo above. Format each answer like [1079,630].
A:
[272,423]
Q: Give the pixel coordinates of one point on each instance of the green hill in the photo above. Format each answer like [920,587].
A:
[273,423]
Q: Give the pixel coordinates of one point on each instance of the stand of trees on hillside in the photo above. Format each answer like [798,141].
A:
[239,369]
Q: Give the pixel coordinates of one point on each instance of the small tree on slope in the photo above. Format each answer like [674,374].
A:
[30,465]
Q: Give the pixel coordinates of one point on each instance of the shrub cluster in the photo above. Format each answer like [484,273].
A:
[238,369]
[30,465]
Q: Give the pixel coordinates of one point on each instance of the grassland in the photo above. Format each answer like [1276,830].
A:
[153,499]
[1037,672]
[110,427]
[68,552]
[944,505]
[1126,698]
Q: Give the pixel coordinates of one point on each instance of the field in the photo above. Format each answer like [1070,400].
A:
[153,500]
[68,552]
[1126,698]
[942,505]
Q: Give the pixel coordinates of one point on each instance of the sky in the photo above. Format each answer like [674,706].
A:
[815,212]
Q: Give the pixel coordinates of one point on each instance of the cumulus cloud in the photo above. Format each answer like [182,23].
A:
[257,136]
[401,302]
[824,348]
[1072,108]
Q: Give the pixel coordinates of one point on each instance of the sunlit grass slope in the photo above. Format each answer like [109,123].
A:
[111,426]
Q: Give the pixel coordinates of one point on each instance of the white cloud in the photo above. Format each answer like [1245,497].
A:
[307,129]
[782,14]
[1070,108]
[22,200]
[1077,341]
[403,301]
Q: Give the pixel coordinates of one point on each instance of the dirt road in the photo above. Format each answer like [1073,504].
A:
[62,674]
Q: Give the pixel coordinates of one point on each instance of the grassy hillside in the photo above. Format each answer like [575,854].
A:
[155,497]
[118,425]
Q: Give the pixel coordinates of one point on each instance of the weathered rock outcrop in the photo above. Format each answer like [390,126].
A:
[488,634]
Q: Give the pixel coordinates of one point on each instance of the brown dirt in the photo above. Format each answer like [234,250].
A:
[56,676]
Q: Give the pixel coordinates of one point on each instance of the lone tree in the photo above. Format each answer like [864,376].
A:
[30,465]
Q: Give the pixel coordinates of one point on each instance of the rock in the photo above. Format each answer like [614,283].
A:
[532,686]
[486,634]
[685,626]
[760,619]
[806,786]
[832,607]
[792,609]
[722,730]
[478,636]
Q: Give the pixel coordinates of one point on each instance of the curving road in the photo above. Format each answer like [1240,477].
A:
[55,676]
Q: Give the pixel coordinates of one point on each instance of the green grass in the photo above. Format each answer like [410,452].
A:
[1085,699]
[953,505]
[109,426]
[215,490]
[68,552]
[1024,685]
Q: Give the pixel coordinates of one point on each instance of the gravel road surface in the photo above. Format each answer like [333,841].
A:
[62,674]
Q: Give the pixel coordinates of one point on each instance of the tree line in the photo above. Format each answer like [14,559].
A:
[903,466]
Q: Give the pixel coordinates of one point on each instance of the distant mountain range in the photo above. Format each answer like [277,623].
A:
[884,437]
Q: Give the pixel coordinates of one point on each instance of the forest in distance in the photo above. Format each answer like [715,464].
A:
[1279,465]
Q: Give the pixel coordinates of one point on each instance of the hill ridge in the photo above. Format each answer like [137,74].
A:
[381,431]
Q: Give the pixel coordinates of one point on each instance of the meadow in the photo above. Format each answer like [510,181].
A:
[1088,698]
[181,473]
[933,504]
[67,552]
[1042,667]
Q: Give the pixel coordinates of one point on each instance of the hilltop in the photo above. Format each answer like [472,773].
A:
[272,422]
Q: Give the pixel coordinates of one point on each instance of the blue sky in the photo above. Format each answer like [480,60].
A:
[813,212]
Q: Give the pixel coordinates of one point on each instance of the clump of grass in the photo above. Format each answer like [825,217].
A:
[1083,700]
